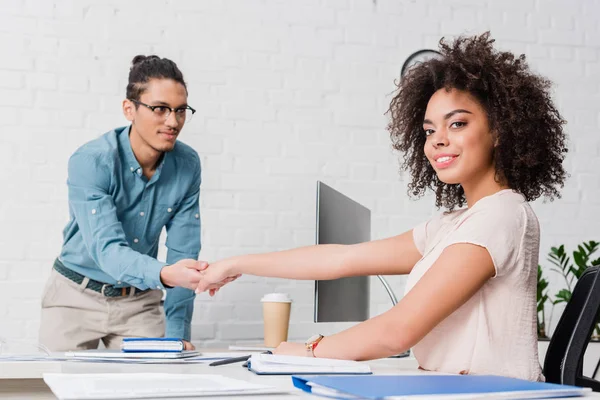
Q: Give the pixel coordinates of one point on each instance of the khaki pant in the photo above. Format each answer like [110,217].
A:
[74,318]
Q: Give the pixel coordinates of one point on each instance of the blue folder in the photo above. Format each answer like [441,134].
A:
[381,386]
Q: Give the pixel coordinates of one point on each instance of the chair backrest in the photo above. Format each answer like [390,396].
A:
[564,358]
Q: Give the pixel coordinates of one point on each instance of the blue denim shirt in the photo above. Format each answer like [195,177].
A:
[117,215]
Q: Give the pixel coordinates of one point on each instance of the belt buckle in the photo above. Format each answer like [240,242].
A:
[107,286]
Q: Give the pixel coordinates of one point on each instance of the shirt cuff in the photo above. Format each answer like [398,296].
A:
[174,256]
[178,328]
[152,275]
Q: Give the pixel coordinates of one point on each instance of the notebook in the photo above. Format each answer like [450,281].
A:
[452,386]
[149,385]
[272,364]
[147,345]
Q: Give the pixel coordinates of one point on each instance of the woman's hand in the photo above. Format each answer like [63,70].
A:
[214,277]
[215,288]
[292,349]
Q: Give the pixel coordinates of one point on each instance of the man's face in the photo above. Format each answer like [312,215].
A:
[159,128]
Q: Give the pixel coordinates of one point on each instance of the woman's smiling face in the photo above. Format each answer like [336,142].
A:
[459,144]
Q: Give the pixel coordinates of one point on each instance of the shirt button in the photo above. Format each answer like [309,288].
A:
[132,169]
[136,240]
[169,209]
[94,211]
[197,216]
[142,214]
[118,282]
[158,287]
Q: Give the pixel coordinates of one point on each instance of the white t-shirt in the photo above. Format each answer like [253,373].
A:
[495,331]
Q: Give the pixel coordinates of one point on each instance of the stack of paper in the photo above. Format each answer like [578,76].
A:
[269,364]
[116,354]
[144,385]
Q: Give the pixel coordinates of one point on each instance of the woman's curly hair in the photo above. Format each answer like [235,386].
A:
[530,141]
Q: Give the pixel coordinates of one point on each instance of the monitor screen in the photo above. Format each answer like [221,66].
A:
[341,220]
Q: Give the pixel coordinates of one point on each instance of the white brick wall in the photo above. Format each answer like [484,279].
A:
[287,93]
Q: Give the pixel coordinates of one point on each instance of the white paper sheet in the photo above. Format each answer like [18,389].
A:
[149,385]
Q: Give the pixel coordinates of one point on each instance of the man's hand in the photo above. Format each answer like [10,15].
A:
[188,345]
[184,273]
[189,274]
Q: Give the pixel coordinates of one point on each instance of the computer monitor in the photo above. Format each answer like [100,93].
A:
[341,220]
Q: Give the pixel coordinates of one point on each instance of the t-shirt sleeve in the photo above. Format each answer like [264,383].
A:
[425,231]
[499,230]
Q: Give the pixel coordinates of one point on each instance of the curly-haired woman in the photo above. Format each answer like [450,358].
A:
[480,129]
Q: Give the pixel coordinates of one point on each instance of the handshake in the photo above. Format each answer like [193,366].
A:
[197,276]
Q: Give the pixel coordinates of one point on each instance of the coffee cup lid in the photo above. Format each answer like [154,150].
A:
[276,298]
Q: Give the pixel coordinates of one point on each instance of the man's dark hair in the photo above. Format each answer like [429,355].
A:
[527,128]
[144,68]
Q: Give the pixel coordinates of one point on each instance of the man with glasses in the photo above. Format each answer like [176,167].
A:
[124,187]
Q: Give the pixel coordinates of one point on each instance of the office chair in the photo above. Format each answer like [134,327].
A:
[564,359]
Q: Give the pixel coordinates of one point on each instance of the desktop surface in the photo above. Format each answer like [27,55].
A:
[34,388]
[25,382]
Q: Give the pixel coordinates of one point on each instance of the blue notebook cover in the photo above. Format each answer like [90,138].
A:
[381,386]
[150,345]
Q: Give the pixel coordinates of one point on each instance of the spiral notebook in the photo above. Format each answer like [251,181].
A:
[272,364]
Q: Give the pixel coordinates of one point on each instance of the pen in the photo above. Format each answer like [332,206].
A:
[232,360]
[229,361]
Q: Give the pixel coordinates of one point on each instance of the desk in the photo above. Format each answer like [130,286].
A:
[23,380]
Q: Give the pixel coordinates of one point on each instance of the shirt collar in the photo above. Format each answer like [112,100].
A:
[125,145]
[130,160]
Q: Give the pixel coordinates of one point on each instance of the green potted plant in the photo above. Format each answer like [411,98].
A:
[563,265]
[542,298]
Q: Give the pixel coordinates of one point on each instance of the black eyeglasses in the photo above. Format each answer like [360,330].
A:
[163,112]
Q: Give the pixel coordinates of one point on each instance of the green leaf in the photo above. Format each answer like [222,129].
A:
[591,247]
[555,262]
[563,295]
[580,259]
[577,272]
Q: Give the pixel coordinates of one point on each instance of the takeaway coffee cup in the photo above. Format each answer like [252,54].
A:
[276,317]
